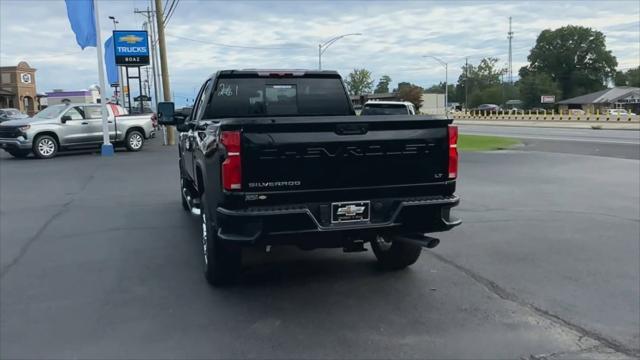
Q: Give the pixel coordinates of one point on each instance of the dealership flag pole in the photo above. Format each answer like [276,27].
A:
[107,147]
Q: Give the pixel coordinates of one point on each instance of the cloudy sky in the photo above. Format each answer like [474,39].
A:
[285,34]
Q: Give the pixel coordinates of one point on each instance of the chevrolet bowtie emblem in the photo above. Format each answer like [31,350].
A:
[131,39]
[350,210]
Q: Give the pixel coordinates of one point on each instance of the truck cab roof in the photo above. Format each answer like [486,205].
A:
[279,72]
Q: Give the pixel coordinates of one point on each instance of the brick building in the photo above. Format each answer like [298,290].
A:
[18,88]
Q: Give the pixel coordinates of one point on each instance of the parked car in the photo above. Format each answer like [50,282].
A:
[619,112]
[72,126]
[388,108]
[11,114]
[279,158]
[576,112]
[488,108]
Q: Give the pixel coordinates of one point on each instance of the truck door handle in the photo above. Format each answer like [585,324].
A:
[110,122]
[84,123]
[352,129]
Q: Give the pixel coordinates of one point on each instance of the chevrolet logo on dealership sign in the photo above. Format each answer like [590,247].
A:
[131,47]
[130,39]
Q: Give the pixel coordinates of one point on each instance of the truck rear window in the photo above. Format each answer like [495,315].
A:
[384,109]
[245,97]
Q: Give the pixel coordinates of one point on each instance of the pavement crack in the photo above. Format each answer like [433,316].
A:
[509,296]
[25,248]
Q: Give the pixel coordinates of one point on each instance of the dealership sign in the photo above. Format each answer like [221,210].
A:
[131,48]
[547,99]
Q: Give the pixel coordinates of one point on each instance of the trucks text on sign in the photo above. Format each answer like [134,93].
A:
[131,47]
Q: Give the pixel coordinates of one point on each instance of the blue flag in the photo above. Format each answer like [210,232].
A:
[110,61]
[82,21]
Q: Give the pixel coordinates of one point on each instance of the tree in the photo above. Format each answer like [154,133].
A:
[620,78]
[383,85]
[575,57]
[411,93]
[633,77]
[439,89]
[534,85]
[359,82]
[403,84]
[483,81]
[630,77]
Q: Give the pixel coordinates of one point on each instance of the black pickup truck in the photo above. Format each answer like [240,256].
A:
[278,157]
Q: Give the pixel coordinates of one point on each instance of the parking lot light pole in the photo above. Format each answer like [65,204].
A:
[446,78]
[120,97]
[322,47]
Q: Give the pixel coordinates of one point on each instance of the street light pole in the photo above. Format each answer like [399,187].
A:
[446,84]
[120,84]
[322,47]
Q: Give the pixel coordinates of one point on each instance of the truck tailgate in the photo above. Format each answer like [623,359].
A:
[343,152]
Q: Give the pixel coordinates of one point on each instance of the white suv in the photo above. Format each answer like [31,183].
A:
[388,108]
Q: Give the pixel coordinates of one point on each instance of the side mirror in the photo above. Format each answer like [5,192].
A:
[65,118]
[166,112]
[183,127]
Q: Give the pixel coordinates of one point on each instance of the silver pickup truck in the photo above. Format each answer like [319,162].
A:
[72,126]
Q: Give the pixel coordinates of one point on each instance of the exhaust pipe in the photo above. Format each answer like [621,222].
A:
[419,239]
[432,242]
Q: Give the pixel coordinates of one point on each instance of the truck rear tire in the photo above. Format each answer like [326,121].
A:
[394,255]
[221,263]
[134,140]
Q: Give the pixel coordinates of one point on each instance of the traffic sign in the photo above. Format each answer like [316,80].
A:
[131,47]
[547,99]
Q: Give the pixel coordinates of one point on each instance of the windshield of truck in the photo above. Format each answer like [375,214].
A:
[385,109]
[51,112]
[247,97]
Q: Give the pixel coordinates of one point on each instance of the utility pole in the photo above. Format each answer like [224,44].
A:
[466,83]
[166,89]
[156,60]
[510,37]
[152,43]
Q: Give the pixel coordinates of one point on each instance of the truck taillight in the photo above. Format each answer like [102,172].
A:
[453,151]
[232,165]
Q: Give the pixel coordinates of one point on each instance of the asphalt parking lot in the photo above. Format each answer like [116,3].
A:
[98,260]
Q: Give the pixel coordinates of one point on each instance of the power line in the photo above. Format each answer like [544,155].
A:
[177,2]
[239,46]
[172,9]
[166,10]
